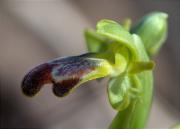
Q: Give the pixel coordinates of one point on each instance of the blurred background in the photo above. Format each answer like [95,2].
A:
[35,31]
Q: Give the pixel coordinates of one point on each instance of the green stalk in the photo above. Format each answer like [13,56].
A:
[136,114]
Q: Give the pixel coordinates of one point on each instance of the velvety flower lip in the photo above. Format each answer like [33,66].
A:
[37,77]
[64,73]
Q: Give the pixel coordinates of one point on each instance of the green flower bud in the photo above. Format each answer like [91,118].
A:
[152,29]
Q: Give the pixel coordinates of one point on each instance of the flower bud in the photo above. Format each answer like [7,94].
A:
[152,29]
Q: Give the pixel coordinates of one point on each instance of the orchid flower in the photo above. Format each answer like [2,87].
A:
[120,52]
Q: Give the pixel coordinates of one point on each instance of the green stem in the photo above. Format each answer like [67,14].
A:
[136,115]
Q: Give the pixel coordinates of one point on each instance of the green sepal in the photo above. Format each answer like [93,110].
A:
[95,42]
[114,31]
